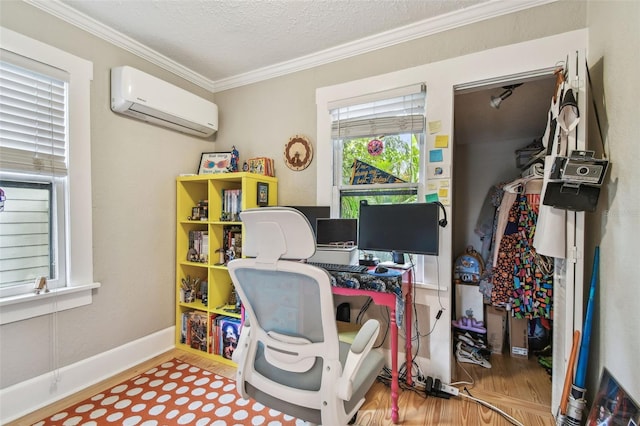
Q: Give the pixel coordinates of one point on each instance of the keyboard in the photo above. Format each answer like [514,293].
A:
[337,267]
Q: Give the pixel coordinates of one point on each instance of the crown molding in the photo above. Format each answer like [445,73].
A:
[84,22]
[479,12]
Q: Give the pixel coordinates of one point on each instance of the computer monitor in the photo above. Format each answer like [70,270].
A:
[312,213]
[400,228]
[332,231]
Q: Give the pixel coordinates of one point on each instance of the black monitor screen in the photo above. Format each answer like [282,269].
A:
[313,212]
[407,228]
[332,231]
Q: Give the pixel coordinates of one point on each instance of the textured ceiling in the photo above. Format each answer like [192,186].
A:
[224,38]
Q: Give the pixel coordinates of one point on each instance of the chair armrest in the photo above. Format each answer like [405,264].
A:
[360,348]
[367,334]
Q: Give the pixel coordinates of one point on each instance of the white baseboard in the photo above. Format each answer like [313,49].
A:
[28,396]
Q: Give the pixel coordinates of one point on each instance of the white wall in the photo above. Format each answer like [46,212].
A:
[479,167]
[614,44]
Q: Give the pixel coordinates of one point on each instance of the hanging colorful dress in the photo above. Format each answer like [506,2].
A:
[521,278]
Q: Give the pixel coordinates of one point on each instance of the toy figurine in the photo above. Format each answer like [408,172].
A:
[235,156]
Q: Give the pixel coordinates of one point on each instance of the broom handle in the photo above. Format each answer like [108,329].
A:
[568,378]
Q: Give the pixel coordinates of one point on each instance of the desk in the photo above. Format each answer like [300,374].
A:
[395,293]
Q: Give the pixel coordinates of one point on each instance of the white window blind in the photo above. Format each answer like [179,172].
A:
[400,111]
[33,121]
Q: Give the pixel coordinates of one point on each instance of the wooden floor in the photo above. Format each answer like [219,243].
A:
[519,387]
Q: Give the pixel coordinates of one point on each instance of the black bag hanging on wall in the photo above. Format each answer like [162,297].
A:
[581,198]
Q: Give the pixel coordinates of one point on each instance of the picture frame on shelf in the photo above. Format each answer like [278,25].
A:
[263,194]
[214,162]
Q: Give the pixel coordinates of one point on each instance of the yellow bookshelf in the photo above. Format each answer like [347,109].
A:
[239,189]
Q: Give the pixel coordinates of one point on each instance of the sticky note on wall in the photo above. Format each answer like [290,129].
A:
[435,155]
[442,141]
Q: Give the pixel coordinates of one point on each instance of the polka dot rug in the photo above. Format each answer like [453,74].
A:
[173,393]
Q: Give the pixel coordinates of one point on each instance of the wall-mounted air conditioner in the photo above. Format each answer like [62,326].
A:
[148,98]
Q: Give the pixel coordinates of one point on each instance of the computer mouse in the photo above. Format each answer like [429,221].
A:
[381,270]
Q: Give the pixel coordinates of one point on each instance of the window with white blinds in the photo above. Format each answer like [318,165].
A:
[45,174]
[377,141]
[33,167]
[33,118]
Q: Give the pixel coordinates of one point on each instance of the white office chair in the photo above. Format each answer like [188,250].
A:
[289,356]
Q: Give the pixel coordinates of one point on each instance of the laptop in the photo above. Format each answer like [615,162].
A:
[336,233]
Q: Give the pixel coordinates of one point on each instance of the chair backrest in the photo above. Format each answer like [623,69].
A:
[277,233]
[290,336]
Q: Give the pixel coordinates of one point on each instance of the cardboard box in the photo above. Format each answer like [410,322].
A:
[519,337]
[496,322]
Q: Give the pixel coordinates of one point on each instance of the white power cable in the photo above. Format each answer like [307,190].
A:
[496,409]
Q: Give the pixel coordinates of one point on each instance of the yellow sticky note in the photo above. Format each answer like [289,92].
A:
[435,126]
[443,192]
[442,141]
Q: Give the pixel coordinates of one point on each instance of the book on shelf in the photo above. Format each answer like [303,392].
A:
[197,323]
[231,205]
[232,242]
[198,246]
[212,333]
[183,327]
[228,335]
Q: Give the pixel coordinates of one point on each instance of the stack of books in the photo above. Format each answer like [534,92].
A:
[262,166]
[231,205]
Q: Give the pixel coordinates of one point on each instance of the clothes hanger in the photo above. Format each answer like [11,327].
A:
[560,78]
[519,185]
[515,187]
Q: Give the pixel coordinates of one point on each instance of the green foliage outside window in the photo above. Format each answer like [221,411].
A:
[400,158]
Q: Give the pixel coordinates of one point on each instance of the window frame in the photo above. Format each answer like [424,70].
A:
[77,291]
[426,269]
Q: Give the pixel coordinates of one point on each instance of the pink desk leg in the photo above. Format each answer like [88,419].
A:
[394,367]
[407,310]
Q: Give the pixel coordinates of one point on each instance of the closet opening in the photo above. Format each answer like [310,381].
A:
[498,127]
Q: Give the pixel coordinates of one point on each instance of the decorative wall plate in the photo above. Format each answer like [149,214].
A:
[298,153]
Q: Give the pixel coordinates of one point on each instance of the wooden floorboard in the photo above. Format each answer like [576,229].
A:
[517,386]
